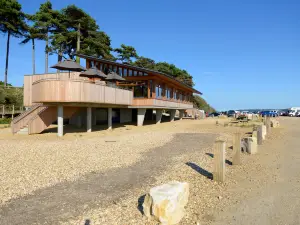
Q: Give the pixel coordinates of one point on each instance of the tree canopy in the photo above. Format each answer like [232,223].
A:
[126,53]
[200,103]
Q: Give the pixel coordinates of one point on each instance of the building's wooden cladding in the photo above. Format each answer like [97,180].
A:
[157,103]
[46,117]
[78,91]
[30,79]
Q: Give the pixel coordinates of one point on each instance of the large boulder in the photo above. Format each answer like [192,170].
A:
[166,203]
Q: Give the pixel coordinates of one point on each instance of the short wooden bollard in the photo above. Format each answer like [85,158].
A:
[260,134]
[268,124]
[237,149]
[219,161]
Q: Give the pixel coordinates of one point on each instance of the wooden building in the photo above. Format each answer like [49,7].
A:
[86,102]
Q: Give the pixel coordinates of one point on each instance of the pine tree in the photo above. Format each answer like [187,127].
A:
[126,53]
[12,23]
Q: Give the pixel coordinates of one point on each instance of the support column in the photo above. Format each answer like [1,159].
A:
[109,118]
[158,115]
[89,119]
[172,114]
[181,113]
[141,116]
[60,121]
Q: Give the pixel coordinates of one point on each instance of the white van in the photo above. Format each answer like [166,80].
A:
[293,111]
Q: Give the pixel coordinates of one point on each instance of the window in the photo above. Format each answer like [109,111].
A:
[101,66]
[174,94]
[158,91]
[120,71]
[125,72]
[130,73]
[135,73]
[105,68]
[140,91]
[115,68]
[168,93]
[151,87]
[110,68]
[145,74]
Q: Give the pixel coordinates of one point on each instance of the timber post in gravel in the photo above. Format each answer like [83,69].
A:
[268,124]
[109,118]
[60,121]
[237,149]
[219,161]
[89,119]
[260,134]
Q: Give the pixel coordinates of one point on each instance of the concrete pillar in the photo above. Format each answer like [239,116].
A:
[89,119]
[60,121]
[181,113]
[158,115]
[109,118]
[172,114]
[141,116]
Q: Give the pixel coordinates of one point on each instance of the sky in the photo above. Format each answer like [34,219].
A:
[241,54]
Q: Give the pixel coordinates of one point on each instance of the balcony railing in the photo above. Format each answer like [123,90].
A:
[78,91]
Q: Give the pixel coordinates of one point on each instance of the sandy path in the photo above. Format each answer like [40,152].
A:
[270,197]
[68,199]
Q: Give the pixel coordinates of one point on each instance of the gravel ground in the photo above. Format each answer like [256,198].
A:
[47,167]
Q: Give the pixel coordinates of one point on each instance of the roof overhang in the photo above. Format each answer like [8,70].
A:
[140,69]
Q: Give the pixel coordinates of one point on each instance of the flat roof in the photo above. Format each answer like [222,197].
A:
[138,68]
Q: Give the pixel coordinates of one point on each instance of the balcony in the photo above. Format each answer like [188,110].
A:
[161,103]
[78,91]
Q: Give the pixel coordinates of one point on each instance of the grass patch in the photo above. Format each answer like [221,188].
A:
[5,121]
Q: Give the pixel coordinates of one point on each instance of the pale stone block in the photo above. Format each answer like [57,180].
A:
[166,202]
[264,131]
[250,145]
[274,123]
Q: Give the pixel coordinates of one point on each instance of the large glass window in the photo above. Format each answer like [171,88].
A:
[125,72]
[174,94]
[101,66]
[151,87]
[115,68]
[141,91]
[168,93]
[158,90]
[135,73]
[110,68]
[120,72]
[129,73]
[145,74]
[105,68]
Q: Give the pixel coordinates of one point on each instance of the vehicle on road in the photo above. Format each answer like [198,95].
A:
[269,113]
[283,113]
[214,114]
[231,113]
[293,111]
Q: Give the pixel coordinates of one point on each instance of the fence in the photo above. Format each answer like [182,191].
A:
[10,110]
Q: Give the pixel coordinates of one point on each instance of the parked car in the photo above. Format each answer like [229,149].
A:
[231,113]
[214,114]
[298,113]
[269,113]
[283,113]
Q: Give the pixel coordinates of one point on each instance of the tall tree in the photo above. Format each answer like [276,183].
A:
[81,34]
[126,53]
[144,62]
[12,23]
[47,21]
[32,34]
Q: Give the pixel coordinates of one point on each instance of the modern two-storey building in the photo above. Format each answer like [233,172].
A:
[87,102]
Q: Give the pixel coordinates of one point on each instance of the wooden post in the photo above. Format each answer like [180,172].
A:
[237,149]
[265,119]
[268,124]
[260,134]
[13,112]
[219,161]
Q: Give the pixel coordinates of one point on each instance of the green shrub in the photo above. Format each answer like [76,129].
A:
[5,120]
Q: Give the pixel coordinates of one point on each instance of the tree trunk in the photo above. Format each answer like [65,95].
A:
[7,55]
[33,56]
[46,54]
[78,43]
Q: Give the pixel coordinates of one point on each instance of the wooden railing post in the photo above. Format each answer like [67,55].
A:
[13,112]
[237,149]
[260,134]
[219,161]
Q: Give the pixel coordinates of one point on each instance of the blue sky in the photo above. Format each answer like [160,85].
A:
[242,54]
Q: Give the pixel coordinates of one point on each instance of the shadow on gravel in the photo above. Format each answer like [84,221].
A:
[200,170]
[226,160]
[140,204]
[69,199]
